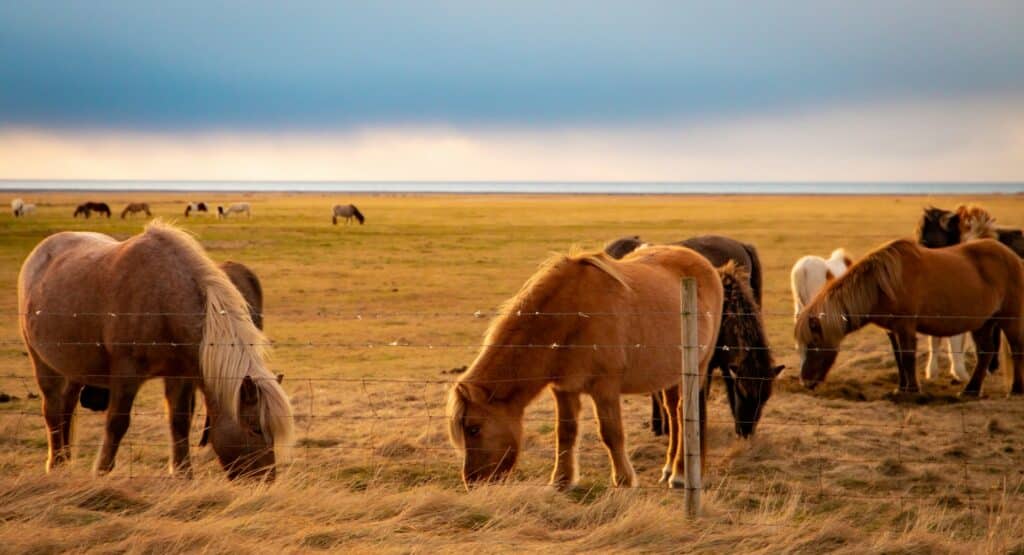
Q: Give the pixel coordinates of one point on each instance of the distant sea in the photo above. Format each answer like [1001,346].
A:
[532,187]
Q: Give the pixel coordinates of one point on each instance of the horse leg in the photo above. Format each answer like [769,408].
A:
[180,396]
[657,415]
[983,344]
[997,340]
[894,341]
[119,416]
[934,346]
[609,416]
[1014,331]
[678,479]
[60,396]
[566,427]
[907,340]
[957,344]
[670,401]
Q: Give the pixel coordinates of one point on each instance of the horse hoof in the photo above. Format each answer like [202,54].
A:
[665,475]
[970,394]
[677,482]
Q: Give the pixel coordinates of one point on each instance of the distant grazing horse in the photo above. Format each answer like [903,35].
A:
[98,398]
[905,288]
[88,208]
[719,250]
[811,273]
[942,228]
[236,208]
[347,212]
[175,315]
[195,207]
[629,311]
[16,207]
[135,208]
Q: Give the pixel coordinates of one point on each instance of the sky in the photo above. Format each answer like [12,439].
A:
[460,90]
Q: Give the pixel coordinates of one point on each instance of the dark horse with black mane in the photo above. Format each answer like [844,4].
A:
[88,208]
[98,398]
[741,325]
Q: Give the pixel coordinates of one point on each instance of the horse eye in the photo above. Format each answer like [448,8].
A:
[473,431]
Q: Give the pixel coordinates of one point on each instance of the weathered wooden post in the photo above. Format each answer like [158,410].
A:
[691,395]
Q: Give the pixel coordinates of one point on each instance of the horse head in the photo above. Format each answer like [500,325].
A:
[938,228]
[818,349]
[622,246]
[488,431]
[244,447]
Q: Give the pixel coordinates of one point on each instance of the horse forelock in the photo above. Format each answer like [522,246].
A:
[455,410]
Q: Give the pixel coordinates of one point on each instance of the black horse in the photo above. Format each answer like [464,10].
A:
[98,398]
[719,250]
[88,208]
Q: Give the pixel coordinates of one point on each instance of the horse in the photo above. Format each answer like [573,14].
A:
[88,208]
[811,273]
[347,212]
[942,228]
[718,250]
[195,207]
[236,208]
[742,353]
[604,328]
[101,312]
[16,206]
[98,398]
[136,207]
[905,288]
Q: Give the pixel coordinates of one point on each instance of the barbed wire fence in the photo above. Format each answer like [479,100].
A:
[380,449]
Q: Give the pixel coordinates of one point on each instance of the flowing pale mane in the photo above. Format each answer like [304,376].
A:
[976,223]
[232,347]
[853,295]
[548,277]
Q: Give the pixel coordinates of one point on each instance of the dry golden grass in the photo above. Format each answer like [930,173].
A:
[840,469]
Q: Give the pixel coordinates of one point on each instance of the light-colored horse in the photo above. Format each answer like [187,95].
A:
[135,208]
[16,207]
[607,328]
[905,288]
[236,208]
[348,212]
[811,273]
[96,311]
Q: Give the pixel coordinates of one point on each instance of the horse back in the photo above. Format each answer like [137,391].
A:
[719,250]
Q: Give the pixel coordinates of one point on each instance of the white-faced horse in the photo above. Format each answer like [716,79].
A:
[236,208]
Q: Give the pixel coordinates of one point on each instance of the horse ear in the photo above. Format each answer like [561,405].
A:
[280,378]
[778,369]
[250,393]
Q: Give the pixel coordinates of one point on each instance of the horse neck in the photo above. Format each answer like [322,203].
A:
[532,374]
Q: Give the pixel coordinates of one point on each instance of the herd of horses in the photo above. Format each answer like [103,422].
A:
[600,323]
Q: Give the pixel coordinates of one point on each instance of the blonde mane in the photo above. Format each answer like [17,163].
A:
[547,277]
[976,223]
[844,303]
[232,347]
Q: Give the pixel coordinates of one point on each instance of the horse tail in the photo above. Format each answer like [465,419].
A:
[798,283]
[357,214]
[755,272]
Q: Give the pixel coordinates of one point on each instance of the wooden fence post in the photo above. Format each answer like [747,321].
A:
[691,395]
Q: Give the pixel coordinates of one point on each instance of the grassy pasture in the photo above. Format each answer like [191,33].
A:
[840,469]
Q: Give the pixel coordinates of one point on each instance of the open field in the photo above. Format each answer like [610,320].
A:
[370,321]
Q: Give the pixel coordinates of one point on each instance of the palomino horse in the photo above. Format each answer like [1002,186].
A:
[942,228]
[904,288]
[88,208]
[811,273]
[195,207]
[348,212]
[719,250]
[135,208]
[605,328]
[236,208]
[96,311]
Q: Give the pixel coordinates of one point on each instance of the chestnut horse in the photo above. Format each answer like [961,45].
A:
[904,288]
[96,311]
[605,328]
[135,208]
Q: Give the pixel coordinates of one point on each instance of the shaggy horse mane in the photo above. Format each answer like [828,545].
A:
[549,275]
[976,223]
[741,315]
[844,302]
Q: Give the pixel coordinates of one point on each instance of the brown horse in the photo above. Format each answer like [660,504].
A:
[135,208]
[604,328]
[904,288]
[95,311]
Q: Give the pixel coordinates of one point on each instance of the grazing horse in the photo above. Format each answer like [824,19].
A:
[236,208]
[96,311]
[16,207]
[742,352]
[136,207]
[811,273]
[942,228]
[719,250]
[904,288]
[89,207]
[98,398]
[348,212]
[628,311]
[195,207]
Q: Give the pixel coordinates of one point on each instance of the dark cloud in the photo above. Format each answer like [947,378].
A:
[329,65]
